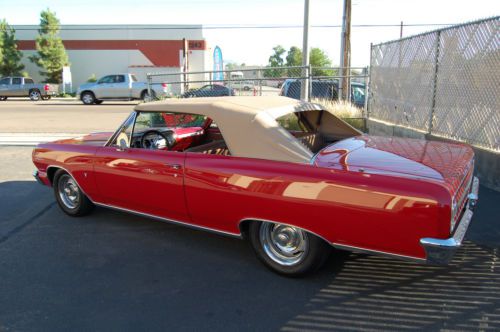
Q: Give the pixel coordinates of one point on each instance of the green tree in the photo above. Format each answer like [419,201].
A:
[275,61]
[51,55]
[10,56]
[318,58]
[294,57]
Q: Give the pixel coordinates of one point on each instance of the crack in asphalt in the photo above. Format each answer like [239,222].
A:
[26,223]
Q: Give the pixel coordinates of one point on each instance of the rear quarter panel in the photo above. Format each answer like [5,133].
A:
[375,212]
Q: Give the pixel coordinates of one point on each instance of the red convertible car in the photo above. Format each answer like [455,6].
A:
[288,175]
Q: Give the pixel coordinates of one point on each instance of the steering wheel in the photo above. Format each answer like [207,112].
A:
[156,140]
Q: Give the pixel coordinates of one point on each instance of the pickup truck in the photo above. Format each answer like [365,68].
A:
[26,87]
[119,87]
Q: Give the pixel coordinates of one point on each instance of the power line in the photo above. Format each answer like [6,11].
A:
[224,27]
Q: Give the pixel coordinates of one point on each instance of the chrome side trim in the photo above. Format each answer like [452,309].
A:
[341,246]
[152,216]
[441,251]
[378,253]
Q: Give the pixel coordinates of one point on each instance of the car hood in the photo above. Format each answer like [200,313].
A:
[437,161]
[97,139]
[86,86]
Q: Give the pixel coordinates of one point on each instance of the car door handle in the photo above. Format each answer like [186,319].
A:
[174,166]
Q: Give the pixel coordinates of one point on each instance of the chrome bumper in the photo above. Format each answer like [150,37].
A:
[441,251]
[37,178]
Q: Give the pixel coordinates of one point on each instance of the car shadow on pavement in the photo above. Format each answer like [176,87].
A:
[115,271]
[376,293]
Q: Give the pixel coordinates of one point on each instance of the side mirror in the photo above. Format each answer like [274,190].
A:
[122,145]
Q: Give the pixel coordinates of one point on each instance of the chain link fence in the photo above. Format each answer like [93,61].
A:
[322,83]
[444,83]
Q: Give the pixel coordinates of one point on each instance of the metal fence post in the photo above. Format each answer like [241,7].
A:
[150,82]
[309,82]
[367,81]
[368,96]
[434,81]
[260,77]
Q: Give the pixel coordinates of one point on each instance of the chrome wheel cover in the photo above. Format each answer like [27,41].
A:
[34,95]
[87,98]
[284,244]
[68,191]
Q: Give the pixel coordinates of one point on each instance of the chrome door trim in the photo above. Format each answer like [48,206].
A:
[173,221]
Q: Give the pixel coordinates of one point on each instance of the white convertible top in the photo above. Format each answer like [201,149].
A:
[248,124]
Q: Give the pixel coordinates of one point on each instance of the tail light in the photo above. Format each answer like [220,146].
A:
[46,87]
[164,85]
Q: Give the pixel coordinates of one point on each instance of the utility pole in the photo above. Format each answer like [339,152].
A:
[304,87]
[401,31]
[185,64]
[345,52]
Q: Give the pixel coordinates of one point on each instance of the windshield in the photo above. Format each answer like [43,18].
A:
[147,120]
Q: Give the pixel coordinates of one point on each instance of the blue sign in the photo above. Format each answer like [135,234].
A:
[218,65]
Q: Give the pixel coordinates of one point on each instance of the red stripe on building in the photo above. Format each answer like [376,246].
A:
[162,53]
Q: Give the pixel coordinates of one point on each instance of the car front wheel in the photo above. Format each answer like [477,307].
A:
[286,249]
[69,196]
[88,98]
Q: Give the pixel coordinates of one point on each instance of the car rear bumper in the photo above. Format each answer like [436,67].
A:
[441,251]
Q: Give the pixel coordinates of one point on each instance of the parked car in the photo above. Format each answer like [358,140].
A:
[119,87]
[288,175]
[324,89]
[211,90]
[241,85]
[26,87]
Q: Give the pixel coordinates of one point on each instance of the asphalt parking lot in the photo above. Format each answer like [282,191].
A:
[113,271]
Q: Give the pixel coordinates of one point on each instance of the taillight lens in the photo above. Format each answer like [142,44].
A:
[46,87]
[164,85]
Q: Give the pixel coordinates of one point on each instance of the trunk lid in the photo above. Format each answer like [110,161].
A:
[448,163]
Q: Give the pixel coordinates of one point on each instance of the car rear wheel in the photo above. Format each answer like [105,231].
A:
[287,250]
[3,98]
[35,95]
[88,98]
[69,196]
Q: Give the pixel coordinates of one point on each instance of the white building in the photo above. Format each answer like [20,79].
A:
[106,49]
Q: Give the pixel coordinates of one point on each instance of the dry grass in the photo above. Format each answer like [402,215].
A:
[340,108]
[344,110]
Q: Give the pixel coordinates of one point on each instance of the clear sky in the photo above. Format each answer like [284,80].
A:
[253,46]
